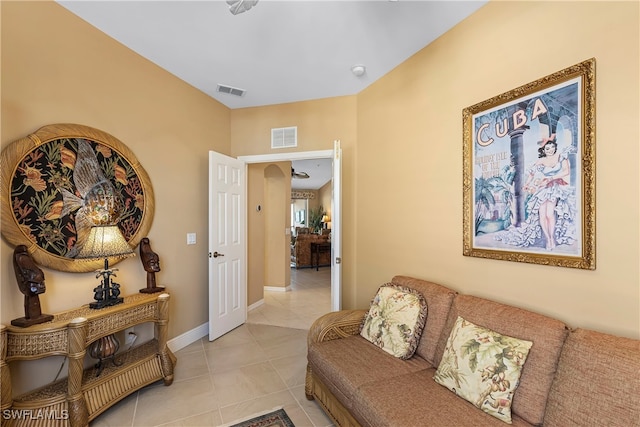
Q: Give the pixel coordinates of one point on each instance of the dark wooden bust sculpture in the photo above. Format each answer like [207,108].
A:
[31,283]
[151,263]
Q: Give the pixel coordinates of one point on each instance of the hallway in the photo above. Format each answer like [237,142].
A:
[309,298]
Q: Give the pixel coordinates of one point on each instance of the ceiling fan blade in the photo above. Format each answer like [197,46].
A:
[240,6]
[299,175]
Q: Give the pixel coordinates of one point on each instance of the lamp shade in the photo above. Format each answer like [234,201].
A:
[326,218]
[105,241]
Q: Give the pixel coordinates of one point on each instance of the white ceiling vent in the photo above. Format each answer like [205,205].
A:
[284,137]
[231,90]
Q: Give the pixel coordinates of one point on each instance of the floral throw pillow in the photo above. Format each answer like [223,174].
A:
[483,367]
[395,320]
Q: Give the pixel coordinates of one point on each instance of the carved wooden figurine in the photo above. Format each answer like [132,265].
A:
[31,283]
[151,263]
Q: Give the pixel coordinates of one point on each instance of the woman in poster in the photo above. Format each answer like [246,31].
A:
[550,206]
[548,181]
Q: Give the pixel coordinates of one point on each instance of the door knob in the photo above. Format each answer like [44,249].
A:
[216,254]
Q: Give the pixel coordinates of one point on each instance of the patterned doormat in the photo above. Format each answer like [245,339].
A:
[277,418]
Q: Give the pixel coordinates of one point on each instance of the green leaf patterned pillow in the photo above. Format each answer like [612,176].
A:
[483,367]
[395,320]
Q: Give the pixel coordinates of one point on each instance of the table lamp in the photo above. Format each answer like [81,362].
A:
[105,241]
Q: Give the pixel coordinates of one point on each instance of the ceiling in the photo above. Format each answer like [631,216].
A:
[278,51]
[320,172]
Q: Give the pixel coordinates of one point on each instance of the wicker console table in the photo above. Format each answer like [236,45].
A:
[82,396]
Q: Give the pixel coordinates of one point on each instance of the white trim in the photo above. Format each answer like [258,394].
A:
[255,305]
[336,228]
[278,288]
[276,157]
[181,341]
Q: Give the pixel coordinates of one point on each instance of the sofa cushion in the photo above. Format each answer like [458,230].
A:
[395,320]
[439,299]
[415,399]
[547,335]
[483,367]
[597,383]
[345,364]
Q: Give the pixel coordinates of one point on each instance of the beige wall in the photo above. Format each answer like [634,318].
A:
[319,123]
[58,69]
[324,195]
[277,189]
[313,203]
[409,158]
[256,246]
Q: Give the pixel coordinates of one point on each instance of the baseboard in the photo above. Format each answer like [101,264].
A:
[181,341]
[278,288]
[255,305]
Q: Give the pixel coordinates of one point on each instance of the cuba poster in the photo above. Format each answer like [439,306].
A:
[529,179]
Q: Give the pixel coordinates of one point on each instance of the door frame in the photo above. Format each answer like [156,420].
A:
[336,288]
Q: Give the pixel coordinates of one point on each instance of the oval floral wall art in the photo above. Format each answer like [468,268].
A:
[60,181]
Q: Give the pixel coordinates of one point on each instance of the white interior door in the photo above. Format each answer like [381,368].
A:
[336,229]
[227,244]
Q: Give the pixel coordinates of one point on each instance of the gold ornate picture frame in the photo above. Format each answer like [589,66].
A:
[45,196]
[529,172]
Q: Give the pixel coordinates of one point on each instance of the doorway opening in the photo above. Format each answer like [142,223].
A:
[334,155]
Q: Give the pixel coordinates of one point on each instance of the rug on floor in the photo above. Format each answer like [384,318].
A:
[277,418]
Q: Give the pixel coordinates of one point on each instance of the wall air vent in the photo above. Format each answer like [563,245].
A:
[230,90]
[284,137]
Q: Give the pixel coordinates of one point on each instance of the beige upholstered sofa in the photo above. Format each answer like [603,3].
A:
[570,378]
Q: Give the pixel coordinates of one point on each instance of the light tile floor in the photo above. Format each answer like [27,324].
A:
[256,367]
[309,298]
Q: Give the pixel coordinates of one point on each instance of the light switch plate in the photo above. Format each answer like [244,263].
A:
[191,238]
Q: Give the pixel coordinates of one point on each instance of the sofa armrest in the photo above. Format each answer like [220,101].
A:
[336,325]
[331,326]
